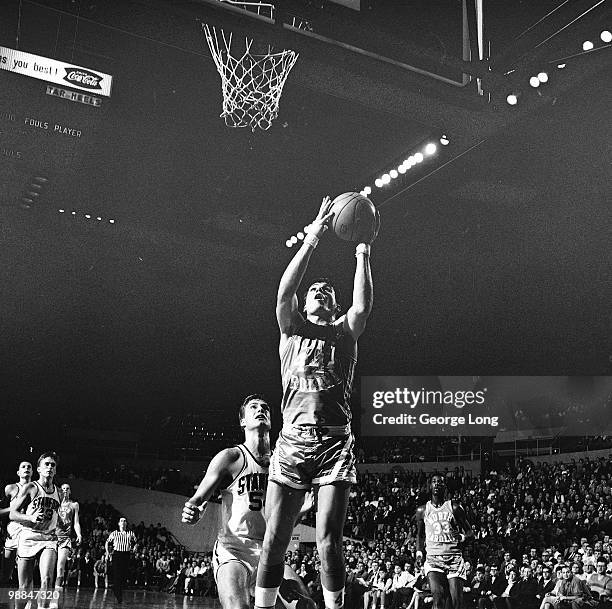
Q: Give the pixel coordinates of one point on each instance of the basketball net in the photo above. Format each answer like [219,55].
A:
[251,83]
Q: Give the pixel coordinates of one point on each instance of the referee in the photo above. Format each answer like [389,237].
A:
[123,543]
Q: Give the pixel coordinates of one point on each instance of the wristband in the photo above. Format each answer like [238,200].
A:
[311,240]
[362,248]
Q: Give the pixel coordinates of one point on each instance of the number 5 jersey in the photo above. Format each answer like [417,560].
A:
[242,505]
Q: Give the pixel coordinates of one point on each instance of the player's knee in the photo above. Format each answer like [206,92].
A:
[330,550]
[233,602]
[45,581]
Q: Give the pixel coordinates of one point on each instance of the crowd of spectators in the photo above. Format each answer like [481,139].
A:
[158,562]
[535,524]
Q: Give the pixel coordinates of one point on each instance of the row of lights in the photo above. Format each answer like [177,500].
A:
[542,77]
[385,179]
[409,162]
[85,215]
[33,192]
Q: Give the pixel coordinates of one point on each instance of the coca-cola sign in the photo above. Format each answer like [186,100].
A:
[83,78]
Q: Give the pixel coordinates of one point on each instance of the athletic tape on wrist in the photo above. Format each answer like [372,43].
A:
[311,240]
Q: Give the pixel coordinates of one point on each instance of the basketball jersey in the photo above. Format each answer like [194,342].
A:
[242,504]
[19,489]
[65,519]
[317,368]
[50,503]
[441,536]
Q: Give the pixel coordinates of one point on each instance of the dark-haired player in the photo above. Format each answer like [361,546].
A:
[318,352]
[442,527]
[24,473]
[37,538]
[240,473]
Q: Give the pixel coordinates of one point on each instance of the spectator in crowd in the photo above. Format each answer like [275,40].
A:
[600,584]
[101,572]
[570,592]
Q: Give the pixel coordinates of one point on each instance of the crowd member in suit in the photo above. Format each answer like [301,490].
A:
[527,589]
[497,584]
[546,583]
[479,587]
[508,598]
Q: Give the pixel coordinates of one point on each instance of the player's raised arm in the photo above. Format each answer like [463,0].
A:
[363,290]
[219,472]
[286,300]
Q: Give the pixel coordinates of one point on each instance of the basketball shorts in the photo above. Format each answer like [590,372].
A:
[64,543]
[452,565]
[12,535]
[247,556]
[32,543]
[304,456]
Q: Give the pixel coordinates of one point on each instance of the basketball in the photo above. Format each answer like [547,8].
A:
[355,217]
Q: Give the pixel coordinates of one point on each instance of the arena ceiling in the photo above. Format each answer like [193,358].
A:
[494,256]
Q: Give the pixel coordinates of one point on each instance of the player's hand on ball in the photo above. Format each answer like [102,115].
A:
[191,513]
[376,227]
[321,223]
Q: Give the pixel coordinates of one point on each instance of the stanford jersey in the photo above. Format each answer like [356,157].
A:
[317,368]
[50,503]
[242,504]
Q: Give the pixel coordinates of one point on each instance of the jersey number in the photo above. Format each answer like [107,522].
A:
[255,500]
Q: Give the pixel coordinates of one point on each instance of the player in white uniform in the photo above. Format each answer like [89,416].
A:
[24,473]
[441,527]
[68,526]
[241,474]
[37,538]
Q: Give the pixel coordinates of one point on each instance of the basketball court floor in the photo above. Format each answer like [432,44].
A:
[89,598]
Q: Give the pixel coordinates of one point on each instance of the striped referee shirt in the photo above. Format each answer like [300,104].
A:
[123,541]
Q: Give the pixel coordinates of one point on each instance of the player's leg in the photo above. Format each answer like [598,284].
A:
[25,572]
[283,505]
[8,564]
[233,585]
[455,585]
[292,589]
[46,565]
[438,583]
[62,558]
[332,502]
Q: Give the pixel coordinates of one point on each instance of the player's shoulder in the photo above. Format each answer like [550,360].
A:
[420,511]
[11,489]
[227,460]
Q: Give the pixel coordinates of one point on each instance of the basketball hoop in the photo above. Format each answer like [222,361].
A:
[251,83]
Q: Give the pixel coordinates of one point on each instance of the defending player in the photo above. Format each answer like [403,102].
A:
[318,352]
[68,526]
[441,527]
[241,474]
[37,538]
[24,473]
